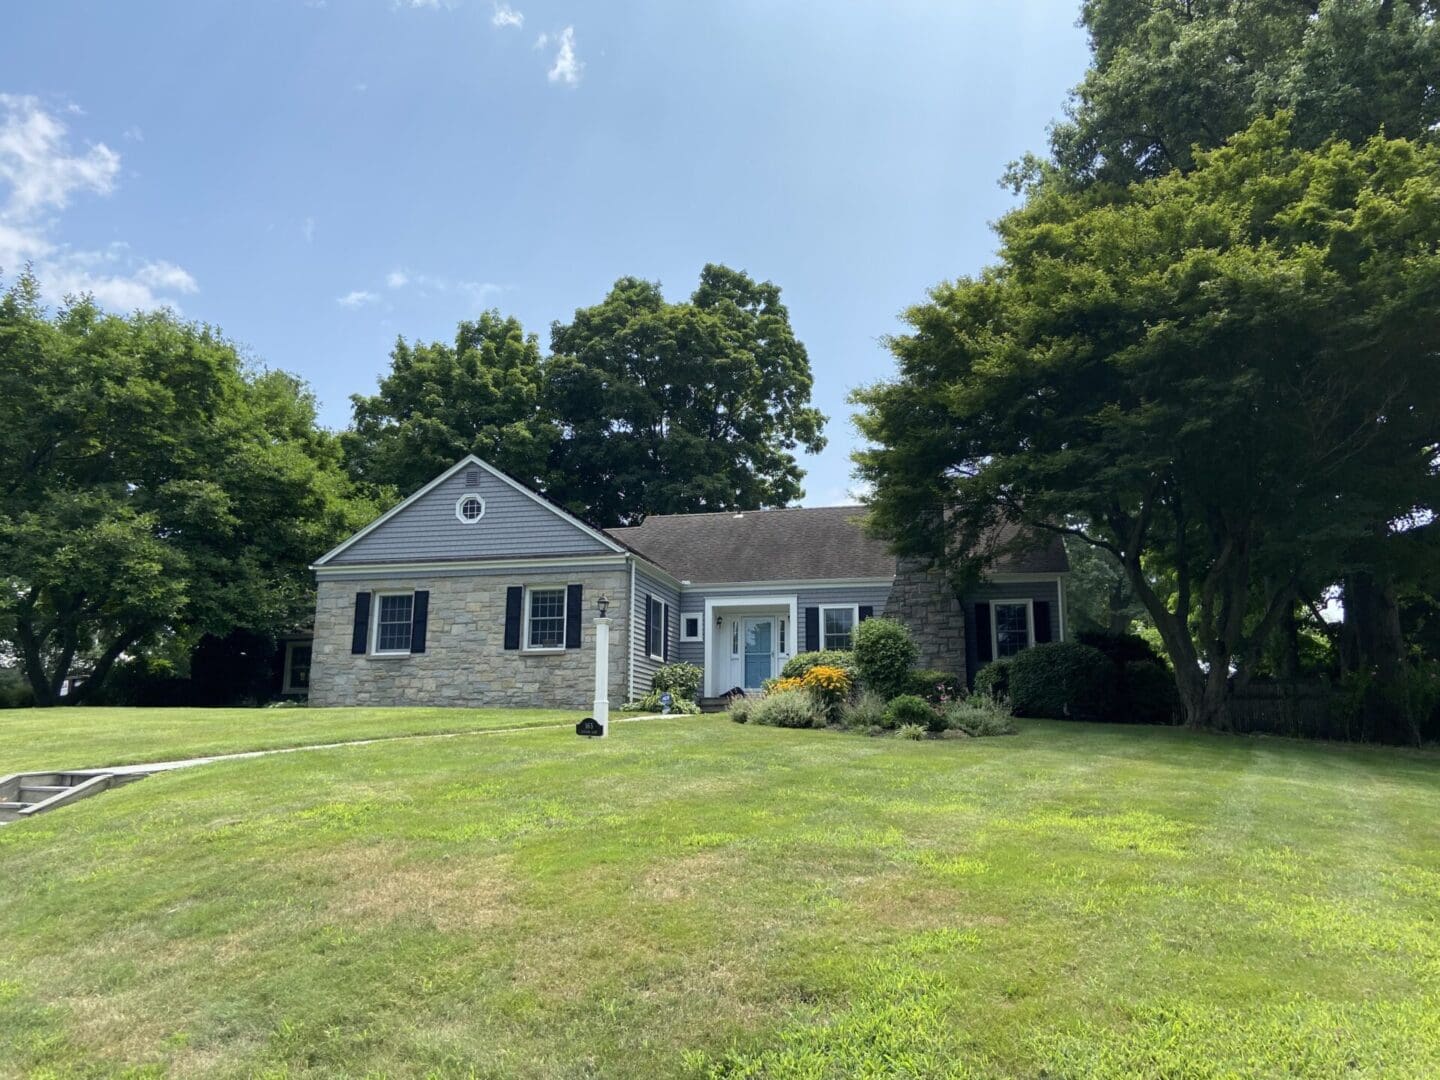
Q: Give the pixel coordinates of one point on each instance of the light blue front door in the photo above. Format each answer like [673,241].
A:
[759,643]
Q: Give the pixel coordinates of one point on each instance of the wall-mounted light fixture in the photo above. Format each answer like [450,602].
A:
[603,603]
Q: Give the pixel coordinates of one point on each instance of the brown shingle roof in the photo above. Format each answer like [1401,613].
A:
[797,544]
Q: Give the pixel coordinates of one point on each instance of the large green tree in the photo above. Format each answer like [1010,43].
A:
[1231,374]
[668,408]
[152,487]
[441,401]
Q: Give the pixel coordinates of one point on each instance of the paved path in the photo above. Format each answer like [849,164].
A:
[146,768]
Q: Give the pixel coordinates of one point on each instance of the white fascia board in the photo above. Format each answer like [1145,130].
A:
[655,570]
[800,583]
[539,565]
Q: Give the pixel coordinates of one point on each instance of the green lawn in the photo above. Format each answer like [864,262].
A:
[83,738]
[695,898]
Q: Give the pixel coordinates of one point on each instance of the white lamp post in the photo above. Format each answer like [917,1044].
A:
[602,666]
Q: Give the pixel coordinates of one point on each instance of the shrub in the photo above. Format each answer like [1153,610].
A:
[910,731]
[1146,694]
[980,716]
[15,692]
[909,709]
[782,686]
[1121,648]
[936,686]
[740,709]
[1062,679]
[788,709]
[798,665]
[651,703]
[993,680]
[884,655]
[829,686]
[864,711]
[682,680]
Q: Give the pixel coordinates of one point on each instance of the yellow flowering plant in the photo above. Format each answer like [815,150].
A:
[828,685]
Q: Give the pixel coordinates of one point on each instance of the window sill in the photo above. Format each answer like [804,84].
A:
[545,652]
[388,656]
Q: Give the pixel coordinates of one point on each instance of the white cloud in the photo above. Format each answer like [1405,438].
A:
[567,66]
[542,41]
[39,174]
[506,16]
[307,230]
[397,279]
[356,298]
[478,291]
[133,133]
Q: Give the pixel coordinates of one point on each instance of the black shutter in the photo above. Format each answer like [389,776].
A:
[649,609]
[983,651]
[514,598]
[866,612]
[420,615]
[665,646]
[573,600]
[360,637]
[1042,622]
[812,629]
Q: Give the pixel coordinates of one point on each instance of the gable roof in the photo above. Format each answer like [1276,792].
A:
[508,483]
[821,543]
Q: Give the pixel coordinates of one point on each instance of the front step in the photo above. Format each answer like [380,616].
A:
[37,793]
[23,795]
[714,704]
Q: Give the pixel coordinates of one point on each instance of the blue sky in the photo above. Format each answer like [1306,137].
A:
[318,177]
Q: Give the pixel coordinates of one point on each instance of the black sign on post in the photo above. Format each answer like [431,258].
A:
[589,726]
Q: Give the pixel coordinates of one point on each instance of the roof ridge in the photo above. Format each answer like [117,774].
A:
[734,514]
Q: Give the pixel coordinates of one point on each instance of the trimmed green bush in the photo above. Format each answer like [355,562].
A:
[993,680]
[682,680]
[788,709]
[936,686]
[797,666]
[884,655]
[651,703]
[909,709]
[1062,680]
[979,716]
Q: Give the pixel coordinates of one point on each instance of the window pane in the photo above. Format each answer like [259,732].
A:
[839,625]
[547,618]
[300,667]
[394,626]
[657,627]
[692,626]
[1012,629]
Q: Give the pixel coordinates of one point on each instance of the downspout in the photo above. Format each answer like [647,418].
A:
[630,621]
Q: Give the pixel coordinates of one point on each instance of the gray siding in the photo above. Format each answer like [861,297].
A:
[514,525]
[645,667]
[1019,590]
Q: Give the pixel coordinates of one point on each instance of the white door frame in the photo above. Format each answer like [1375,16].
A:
[714,604]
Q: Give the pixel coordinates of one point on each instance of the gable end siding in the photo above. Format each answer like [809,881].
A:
[514,525]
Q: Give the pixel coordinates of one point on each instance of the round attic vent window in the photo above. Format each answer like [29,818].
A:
[469,508]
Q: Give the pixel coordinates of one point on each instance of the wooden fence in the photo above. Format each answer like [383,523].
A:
[1301,709]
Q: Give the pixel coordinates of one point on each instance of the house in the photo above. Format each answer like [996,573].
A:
[477,591]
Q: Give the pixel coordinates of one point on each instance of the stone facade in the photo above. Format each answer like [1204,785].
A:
[465,662]
[925,602]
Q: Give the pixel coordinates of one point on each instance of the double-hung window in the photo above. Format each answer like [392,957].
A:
[394,618]
[837,626]
[1011,627]
[656,623]
[297,667]
[545,618]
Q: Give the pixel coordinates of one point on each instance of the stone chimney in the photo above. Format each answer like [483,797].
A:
[926,602]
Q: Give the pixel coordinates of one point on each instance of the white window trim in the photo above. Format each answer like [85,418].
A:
[854,610]
[461,502]
[650,620]
[699,624]
[1029,625]
[286,687]
[525,645]
[375,603]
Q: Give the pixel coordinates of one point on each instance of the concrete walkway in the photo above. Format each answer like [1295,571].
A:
[146,768]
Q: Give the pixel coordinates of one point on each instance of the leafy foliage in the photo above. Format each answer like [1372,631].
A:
[993,680]
[680,679]
[864,711]
[884,654]
[909,709]
[936,686]
[979,716]
[915,732]
[1063,679]
[829,686]
[156,488]
[800,663]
